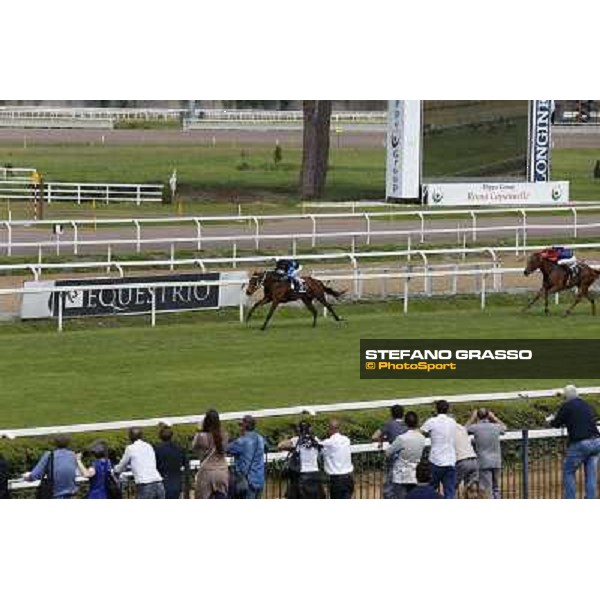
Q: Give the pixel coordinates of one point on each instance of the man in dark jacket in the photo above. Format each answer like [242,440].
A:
[171,461]
[4,491]
[584,442]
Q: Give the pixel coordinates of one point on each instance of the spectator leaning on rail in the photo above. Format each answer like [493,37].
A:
[423,490]
[171,461]
[97,472]
[140,457]
[308,485]
[584,442]
[407,450]
[442,456]
[337,461]
[64,471]
[467,467]
[4,491]
[212,479]
[486,429]
[388,433]
[248,451]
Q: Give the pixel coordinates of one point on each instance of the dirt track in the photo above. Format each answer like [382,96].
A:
[563,136]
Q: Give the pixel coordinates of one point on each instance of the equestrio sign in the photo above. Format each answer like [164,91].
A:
[129,301]
[496,194]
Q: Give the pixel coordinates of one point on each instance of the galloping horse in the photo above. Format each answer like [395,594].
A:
[279,291]
[556,279]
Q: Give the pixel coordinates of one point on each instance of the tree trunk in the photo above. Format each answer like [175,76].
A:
[315,147]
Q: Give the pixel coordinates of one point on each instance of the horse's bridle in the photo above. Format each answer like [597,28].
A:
[260,279]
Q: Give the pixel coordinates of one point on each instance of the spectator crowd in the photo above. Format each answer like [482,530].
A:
[461,460]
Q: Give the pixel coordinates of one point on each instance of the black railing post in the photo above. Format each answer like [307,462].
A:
[525,462]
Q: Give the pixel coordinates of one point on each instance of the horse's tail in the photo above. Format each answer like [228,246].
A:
[333,292]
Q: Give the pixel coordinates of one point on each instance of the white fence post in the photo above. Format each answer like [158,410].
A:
[138,236]
[483,291]
[9,233]
[75,237]
[153,294]
[198,234]
[60,311]
[242,302]
[405,306]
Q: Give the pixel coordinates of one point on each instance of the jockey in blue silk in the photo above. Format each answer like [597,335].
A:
[561,256]
[290,268]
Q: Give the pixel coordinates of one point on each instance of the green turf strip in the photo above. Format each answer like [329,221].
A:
[108,369]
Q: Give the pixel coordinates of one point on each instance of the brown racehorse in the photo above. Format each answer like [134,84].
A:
[555,278]
[278,290]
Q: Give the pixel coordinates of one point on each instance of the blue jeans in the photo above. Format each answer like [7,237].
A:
[150,491]
[586,452]
[447,477]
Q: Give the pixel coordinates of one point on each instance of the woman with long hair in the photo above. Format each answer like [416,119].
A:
[212,479]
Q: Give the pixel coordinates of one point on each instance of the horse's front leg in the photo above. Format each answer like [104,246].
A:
[254,307]
[534,299]
[274,305]
[577,300]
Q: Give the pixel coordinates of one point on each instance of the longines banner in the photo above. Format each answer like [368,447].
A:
[403,164]
[479,359]
[496,194]
[127,301]
[540,140]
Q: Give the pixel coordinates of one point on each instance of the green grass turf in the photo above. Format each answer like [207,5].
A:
[121,368]
[211,181]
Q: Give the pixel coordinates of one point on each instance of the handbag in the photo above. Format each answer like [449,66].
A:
[241,485]
[45,490]
[112,484]
[292,465]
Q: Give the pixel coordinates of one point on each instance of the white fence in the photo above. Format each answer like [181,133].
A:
[425,230]
[54,123]
[23,189]
[299,410]
[16,173]
[89,114]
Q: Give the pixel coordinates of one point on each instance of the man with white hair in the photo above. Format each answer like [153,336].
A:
[583,442]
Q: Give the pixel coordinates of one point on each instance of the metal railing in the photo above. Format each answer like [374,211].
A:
[287,411]
[424,232]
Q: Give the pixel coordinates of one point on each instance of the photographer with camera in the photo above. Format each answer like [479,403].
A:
[304,478]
